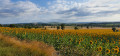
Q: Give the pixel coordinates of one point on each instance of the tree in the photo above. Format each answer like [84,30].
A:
[12,25]
[58,27]
[87,27]
[36,27]
[62,26]
[0,25]
[76,28]
[114,29]
[81,26]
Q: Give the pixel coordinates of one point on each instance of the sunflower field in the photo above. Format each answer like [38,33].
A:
[82,42]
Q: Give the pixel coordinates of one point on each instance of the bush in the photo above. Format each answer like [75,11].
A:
[58,27]
[114,29]
[12,25]
[87,27]
[62,26]
[76,28]
[0,25]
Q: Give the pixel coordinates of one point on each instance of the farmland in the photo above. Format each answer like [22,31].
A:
[82,42]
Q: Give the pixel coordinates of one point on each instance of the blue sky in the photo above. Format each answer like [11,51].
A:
[26,11]
[37,2]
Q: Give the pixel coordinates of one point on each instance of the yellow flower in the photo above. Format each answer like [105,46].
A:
[91,42]
[116,51]
[113,42]
[112,51]
[116,47]
[95,41]
[107,51]
[100,49]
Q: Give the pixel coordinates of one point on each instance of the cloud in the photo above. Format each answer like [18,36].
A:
[19,12]
[17,9]
[92,8]
[59,11]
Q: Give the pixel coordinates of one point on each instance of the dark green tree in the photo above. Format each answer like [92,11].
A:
[58,27]
[0,25]
[29,27]
[62,26]
[114,29]
[36,27]
[12,25]
[87,27]
[76,28]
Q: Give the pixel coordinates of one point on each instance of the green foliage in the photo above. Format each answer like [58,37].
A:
[114,29]
[62,26]
[12,25]
[58,27]
[0,25]
[29,27]
[87,27]
[36,27]
[76,28]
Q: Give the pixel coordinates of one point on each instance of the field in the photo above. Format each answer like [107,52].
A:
[82,42]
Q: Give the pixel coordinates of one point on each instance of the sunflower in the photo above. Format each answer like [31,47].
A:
[107,51]
[91,42]
[112,50]
[113,42]
[95,41]
[116,51]
[116,47]
[100,49]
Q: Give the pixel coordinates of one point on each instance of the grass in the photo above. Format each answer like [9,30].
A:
[13,47]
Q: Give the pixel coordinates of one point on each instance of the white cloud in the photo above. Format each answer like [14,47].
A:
[60,11]
[19,11]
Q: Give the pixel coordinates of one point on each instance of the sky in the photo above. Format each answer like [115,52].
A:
[64,11]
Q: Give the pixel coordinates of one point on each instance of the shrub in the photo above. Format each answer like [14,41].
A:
[0,25]
[87,27]
[76,28]
[58,27]
[62,26]
[114,29]
[12,25]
